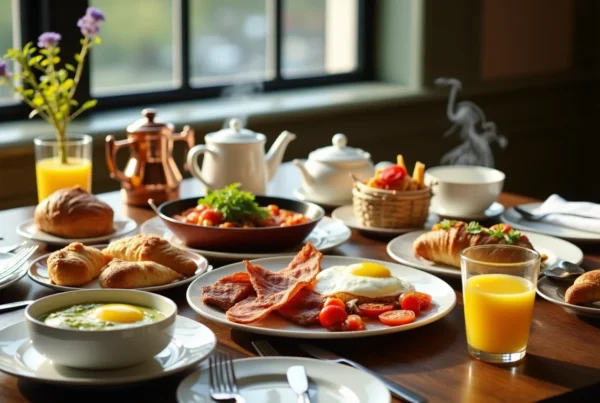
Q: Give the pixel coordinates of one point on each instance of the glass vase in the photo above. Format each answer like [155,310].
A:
[54,172]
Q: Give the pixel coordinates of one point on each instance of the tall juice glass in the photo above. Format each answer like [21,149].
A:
[499,290]
[53,174]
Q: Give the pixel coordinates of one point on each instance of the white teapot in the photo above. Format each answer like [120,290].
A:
[326,174]
[236,154]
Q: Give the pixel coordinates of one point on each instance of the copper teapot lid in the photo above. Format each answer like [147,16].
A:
[149,123]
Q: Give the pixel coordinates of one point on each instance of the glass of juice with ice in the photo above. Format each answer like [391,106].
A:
[498,290]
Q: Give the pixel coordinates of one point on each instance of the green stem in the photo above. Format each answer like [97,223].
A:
[62,146]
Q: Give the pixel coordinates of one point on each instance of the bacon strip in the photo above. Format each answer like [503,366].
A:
[228,291]
[303,308]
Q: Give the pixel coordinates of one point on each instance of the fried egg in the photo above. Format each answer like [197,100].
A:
[119,313]
[372,281]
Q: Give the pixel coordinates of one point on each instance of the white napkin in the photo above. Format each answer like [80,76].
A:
[555,204]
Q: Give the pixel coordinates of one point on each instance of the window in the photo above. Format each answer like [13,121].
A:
[169,50]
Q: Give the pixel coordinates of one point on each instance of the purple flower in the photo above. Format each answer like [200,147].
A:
[95,13]
[90,22]
[4,73]
[48,39]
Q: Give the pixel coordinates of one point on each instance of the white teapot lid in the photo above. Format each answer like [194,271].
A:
[235,133]
[339,151]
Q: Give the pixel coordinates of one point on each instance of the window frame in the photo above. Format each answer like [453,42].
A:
[38,16]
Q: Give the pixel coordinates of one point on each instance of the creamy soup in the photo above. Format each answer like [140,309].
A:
[101,316]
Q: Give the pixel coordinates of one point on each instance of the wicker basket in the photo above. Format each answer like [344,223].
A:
[389,208]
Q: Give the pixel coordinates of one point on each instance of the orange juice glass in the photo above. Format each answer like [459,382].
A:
[498,291]
[53,174]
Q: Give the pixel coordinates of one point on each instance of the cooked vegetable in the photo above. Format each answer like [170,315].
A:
[234,204]
[397,318]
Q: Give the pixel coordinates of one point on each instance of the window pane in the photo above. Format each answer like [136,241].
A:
[6,42]
[136,53]
[319,37]
[228,41]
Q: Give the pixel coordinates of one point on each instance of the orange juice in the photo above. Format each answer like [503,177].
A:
[498,310]
[53,175]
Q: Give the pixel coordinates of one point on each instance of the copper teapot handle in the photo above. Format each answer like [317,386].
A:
[187,135]
[112,147]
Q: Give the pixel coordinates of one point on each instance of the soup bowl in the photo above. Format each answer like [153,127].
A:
[105,348]
[464,190]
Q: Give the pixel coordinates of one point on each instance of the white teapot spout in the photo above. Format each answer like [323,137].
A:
[305,174]
[275,154]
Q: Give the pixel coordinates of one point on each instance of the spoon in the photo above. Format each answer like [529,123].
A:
[563,270]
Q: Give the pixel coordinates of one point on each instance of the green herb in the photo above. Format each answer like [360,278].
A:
[513,236]
[474,228]
[236,205]
[497,232]
[446,224]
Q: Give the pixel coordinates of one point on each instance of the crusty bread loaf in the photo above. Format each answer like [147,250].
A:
[75,265]
[74,213]
[122,274]
[152,248]
[585,290]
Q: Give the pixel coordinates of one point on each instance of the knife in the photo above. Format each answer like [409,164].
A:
[296,377]
[13,305]
[397,390]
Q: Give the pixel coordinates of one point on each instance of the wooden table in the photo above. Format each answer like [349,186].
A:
[563,352]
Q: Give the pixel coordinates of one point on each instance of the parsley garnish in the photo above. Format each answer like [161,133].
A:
[513,236]
[236,205]
[446,224]
[474,228]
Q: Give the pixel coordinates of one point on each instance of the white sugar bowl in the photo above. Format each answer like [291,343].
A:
[326,174]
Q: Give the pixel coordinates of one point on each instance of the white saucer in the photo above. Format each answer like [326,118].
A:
[28,230]
[38,272]
[495,210]
[191,343]
[4,257]
[300,195]
[554,291]
[346,215]
[264,380]
[400,249]
[327,235]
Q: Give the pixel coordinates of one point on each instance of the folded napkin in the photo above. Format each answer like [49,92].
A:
[556,204]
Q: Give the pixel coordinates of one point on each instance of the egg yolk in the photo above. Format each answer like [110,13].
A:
[119,313]
[367,269]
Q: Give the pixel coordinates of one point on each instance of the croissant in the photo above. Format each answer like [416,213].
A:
[140,247]
[75,265]
[121,274]
[443,245]
[586,289]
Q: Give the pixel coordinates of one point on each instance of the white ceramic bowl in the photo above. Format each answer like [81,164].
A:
[101,349]
[464,190]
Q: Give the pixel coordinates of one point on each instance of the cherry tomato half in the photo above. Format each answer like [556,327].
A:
[332,315]
[397,318]
[411,302]
[504,227]
[353,323]
[373,310]
[392,174]
[424,299]
[336,302]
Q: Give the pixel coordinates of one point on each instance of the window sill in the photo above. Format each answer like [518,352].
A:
[208,113]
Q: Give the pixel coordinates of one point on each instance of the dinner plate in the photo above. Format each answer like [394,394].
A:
[444,299]
[554,291]
[400,249]
[327,235]
[191,343]
[511,217]
[38,272]
[5,257]
[495,210]
[27,229]
[264,380]
[346,215]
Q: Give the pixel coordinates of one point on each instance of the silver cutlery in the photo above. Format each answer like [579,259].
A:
[14,305]
[264,348]
[397,390]
[11,248]
[298,381]
[563,270]
[222,382]
[14,265]
[537,217]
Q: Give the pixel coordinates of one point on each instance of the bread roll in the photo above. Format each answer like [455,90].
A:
[152,248]
[121,274]
[585,290]
[74,213]
[75,265]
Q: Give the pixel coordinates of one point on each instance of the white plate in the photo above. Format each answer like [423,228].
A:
[554,291]
[28,230]
[400,249]
[495,210]
[327,235]
[444,299]
[38,272]
[5,257]
[514,219]
[346,215]
[300,195]
[191,343]
[264,380]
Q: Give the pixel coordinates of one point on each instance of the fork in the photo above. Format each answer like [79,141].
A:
[222,381]
[264,348]
[10,248]
[538,217]
[14,264]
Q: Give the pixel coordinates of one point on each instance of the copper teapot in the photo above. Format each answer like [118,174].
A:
[151,172]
